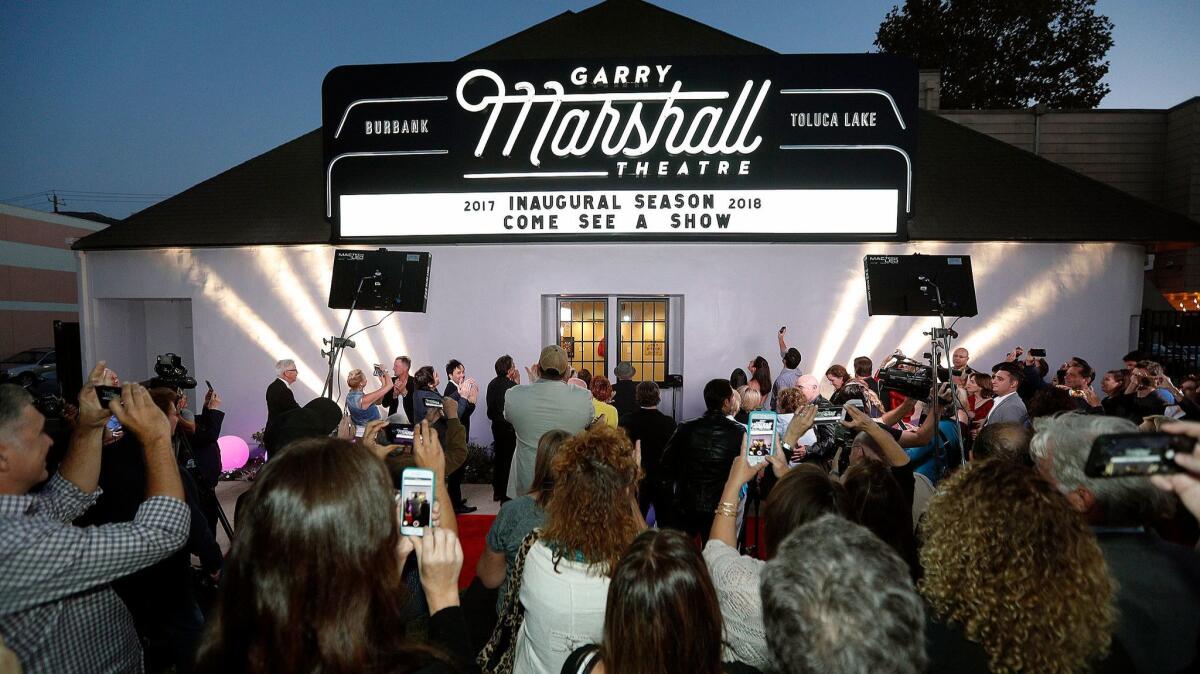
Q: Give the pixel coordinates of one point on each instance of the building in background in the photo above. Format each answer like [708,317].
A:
[38,275]
[246,258]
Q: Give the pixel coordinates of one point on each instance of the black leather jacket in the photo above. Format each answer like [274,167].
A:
[696,462]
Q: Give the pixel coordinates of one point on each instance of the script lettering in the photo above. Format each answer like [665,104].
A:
[623,130]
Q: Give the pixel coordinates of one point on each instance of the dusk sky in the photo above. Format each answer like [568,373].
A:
[99,100]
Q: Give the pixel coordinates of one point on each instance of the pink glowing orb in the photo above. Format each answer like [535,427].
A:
[234,452]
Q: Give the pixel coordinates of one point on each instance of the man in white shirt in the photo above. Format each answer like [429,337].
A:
[1007,406]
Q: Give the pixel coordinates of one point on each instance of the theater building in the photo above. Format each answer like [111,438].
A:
[744,198]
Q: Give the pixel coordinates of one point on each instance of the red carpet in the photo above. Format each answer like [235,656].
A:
[472,533]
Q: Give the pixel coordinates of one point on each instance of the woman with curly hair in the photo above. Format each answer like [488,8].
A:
[590,521]
[1014,578]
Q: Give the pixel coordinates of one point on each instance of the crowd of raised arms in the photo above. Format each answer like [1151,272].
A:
[957,528]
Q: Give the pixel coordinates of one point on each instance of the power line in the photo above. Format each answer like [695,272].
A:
[38,196]
[114,194]
[22,197]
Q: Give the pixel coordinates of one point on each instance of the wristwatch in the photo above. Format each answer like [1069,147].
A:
[786,447]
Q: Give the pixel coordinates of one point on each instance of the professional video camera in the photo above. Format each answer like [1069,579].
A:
[908,378]
[170,372]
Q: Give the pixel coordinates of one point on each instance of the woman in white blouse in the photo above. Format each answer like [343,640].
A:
[590,521]
[802,494]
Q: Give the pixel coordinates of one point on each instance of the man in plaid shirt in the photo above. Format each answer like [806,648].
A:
[57,611]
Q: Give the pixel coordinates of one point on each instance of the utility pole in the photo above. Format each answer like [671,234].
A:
[53,199]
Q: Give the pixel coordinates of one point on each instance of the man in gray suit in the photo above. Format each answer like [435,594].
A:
[1007,406]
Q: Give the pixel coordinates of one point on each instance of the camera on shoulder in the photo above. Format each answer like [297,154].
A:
[170,372]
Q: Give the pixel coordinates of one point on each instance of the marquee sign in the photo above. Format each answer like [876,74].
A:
[790,147]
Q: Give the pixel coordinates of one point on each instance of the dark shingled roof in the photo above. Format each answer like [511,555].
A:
[968,186]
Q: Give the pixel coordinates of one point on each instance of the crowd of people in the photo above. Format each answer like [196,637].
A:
[948,530]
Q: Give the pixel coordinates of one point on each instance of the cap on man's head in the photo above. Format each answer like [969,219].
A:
[553,360]
[624,370]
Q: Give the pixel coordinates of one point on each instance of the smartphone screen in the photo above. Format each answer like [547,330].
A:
[399,434]
[854,402]
[416,501]
[107,394]
[827,414]
[761,442]
[1121,454]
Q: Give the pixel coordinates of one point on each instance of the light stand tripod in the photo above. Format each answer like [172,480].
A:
[941,339]
[337,344]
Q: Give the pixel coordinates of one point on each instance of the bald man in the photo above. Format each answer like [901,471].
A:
[810,386]
[818,442]
[960,358]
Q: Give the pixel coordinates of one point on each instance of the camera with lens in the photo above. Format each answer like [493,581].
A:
[170,372]
[912,381]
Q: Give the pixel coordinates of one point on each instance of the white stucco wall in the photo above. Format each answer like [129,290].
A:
[251,306]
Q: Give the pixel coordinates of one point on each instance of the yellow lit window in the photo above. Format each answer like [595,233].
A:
[643,336]
[582,324]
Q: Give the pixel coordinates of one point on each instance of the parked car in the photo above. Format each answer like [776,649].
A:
[28,366]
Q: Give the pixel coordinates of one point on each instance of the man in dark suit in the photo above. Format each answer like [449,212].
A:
[504,438]
[401,394]
[280,398]
[653,430]
[423,513]
[464,392]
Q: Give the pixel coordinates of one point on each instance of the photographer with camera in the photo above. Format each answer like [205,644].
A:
[57,610]
[198,451]
[161,597]
[1034,369]
[1130,394]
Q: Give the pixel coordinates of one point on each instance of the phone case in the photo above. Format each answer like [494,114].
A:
[417,494]
[763,429]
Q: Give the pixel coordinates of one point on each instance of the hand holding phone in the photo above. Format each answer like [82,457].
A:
[1185,483]
[1136,454]
[762,436]
[107,394]
[399,434]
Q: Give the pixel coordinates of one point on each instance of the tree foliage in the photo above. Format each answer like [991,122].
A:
[1005,53]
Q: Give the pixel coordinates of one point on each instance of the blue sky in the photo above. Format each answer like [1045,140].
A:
[152,97]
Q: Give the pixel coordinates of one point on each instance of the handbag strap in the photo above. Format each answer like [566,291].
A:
[512,611]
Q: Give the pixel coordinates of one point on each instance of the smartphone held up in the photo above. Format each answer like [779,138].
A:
[761,443]
[415,499]
[1136,454]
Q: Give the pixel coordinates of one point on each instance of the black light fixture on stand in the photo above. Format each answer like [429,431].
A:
[374,280]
